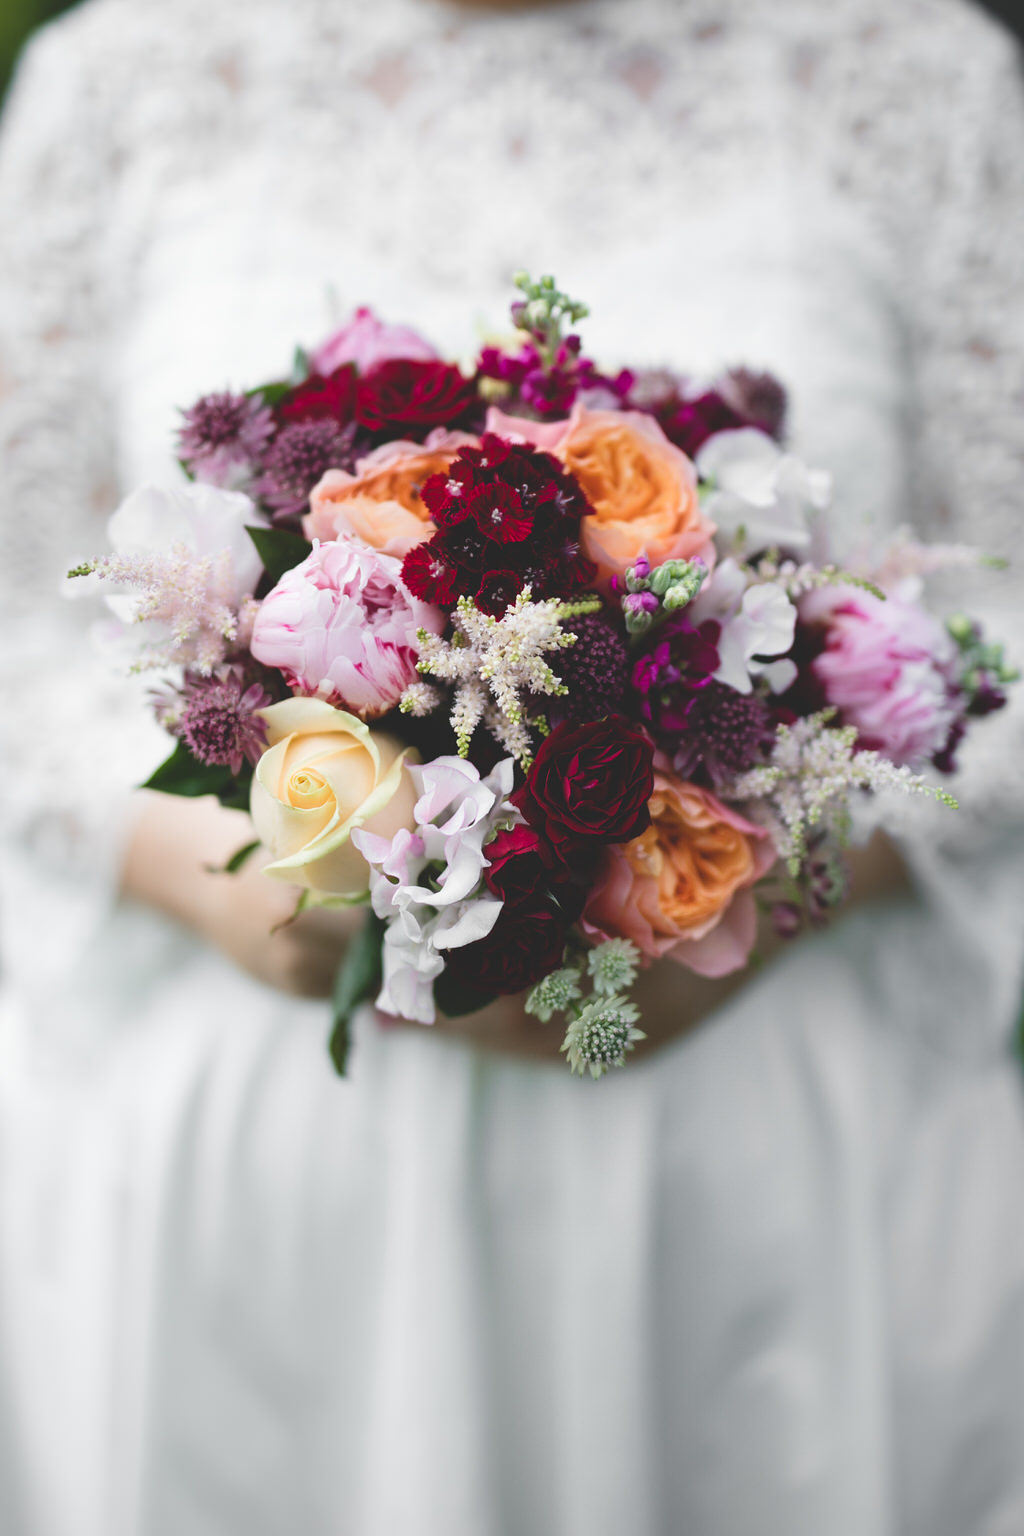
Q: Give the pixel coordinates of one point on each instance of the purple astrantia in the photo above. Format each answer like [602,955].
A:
[223,437]
[300,456]
[216,717]
[595,670]
[727,733]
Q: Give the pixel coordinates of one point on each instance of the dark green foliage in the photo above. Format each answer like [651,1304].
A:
[357,981]
[181,774]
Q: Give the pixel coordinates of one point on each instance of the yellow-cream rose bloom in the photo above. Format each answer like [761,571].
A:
[324,774]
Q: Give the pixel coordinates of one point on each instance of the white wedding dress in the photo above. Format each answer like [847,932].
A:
[770,1280]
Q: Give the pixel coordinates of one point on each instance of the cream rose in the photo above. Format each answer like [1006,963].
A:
[324,774]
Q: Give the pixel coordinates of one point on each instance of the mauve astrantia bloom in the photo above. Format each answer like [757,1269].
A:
[726,734]
[341,625]
[595,670]
[366,341]
[889,668]
[217,719]
[297,461]
[223,436]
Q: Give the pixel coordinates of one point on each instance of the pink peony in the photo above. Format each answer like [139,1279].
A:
[683,887]
[888,667]
[343,627]
[367,341]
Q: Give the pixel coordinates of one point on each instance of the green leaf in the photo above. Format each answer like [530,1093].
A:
[279,550]
[456,998]
[270,394]
[182,774]
[236,860]
[301,366]
[358,980]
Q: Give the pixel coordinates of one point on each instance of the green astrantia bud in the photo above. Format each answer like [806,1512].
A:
[599,1037]
[613,966]
[555,993]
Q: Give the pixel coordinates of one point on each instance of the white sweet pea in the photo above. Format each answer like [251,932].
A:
[206,520]
[455,815]
[758,622]
[759,491]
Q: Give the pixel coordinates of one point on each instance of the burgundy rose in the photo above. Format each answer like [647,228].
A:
[406,398]
[330,397]
[524,867]
[590,782]
[525,943]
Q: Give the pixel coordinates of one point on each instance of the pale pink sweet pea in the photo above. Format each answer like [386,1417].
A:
[888,667]
[684,888]
[367,341]
[341,625]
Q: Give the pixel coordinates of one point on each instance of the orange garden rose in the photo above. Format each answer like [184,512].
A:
[683,887]
[381,504]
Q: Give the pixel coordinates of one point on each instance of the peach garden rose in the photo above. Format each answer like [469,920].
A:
[683,888]
[324,774]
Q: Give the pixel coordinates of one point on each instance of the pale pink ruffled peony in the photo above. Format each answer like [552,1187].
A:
[367,341]
[888,667]
[683,888]
[343,627]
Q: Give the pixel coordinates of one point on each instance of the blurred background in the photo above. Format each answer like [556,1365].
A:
[19,17]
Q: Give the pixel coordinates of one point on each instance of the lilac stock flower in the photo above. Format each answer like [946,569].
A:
[223,437]
[671,675]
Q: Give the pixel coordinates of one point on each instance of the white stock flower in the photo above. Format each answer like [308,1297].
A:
[758,622]
[759,491]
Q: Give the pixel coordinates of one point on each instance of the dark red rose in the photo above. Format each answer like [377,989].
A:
[408,398]
[320,398]
[517,867]
[590,782]
[524,868]
[525,943]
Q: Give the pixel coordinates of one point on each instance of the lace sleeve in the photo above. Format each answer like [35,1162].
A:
[65,754]
[966,282]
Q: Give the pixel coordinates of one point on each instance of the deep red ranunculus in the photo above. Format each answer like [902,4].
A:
[407,398]
[590,782]
[330,397]
[526,942]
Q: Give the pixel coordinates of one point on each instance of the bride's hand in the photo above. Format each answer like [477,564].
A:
[173,859]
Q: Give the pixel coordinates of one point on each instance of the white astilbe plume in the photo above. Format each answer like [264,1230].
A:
[493,662]
[814,769]
[797,580]
[186,600]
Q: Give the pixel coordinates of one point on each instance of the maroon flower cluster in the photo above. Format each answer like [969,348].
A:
[589,786]
[507,516]
[550,390]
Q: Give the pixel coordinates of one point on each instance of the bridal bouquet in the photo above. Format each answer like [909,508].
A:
[546,667]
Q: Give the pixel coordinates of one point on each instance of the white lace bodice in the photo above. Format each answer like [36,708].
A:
[835,192]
